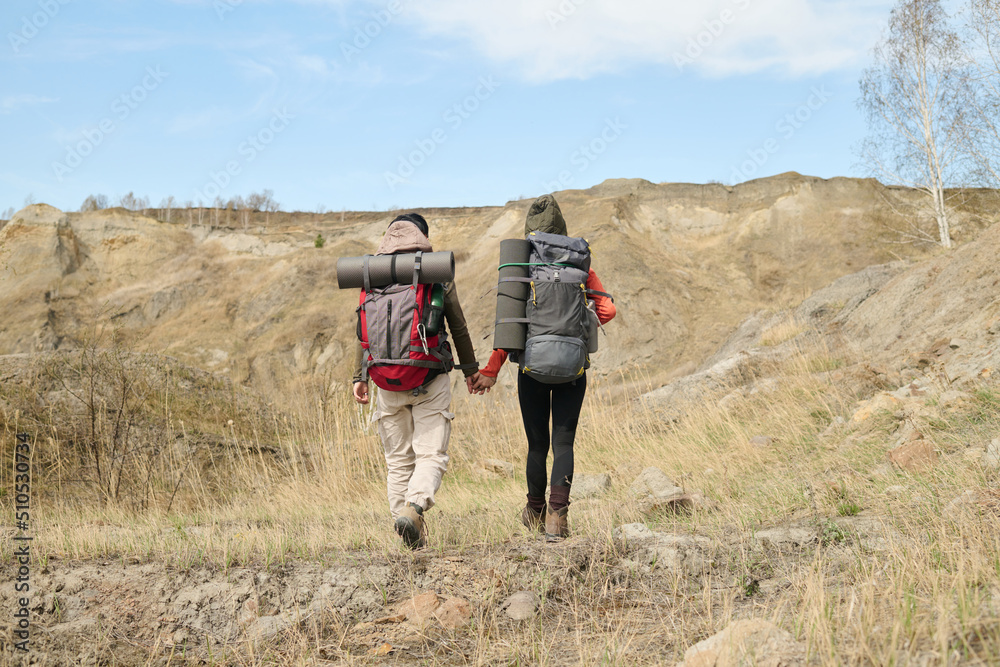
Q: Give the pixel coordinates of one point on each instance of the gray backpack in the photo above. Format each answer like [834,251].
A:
[562,324]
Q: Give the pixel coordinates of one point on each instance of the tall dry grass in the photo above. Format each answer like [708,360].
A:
[250,480]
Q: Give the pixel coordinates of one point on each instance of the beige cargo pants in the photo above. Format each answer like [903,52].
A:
[415,432]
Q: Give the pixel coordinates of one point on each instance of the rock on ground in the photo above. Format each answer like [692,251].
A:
[914,456]
[786,538]
[633,531]
[498,468]
[991,459]
[681,554]
[521,605]
[590,486]
[657,493]
[747,642]
[652,482]
[431,608]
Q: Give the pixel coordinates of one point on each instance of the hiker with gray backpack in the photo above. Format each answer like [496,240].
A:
[563,304]
[407,295]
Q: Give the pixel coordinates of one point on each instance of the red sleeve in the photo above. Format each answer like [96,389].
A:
[493,366]
[605,307]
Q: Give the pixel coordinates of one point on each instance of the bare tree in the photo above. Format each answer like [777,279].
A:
[270,206]
[982,33]
[29,200]
[94,203]
[915,97]
[243,211]
[217,207]
[167,206]
[262,201]
[7,214]
[133,203]
[256,200]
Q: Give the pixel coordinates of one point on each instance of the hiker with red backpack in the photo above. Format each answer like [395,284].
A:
[404,349]
[565,302]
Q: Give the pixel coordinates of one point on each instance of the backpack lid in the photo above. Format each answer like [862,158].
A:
[560,250]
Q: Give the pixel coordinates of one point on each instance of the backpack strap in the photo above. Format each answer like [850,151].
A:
[367,274]
[406,362]
[368,292]
[593,292]
[416,268]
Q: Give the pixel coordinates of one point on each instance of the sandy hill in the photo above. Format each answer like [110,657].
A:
[686,263]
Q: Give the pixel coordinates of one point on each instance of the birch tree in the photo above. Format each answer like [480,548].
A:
[915,96]
[167,206]
[982,32]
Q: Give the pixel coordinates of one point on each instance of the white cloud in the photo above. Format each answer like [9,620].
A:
[12,103]
[559,39]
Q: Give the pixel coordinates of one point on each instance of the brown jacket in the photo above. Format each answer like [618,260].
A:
[403,236]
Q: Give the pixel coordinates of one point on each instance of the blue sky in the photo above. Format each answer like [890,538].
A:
[381,104]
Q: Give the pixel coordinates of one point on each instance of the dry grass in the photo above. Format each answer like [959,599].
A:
[783,331]
[297,479]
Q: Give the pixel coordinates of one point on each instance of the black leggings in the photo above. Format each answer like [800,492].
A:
[537,401]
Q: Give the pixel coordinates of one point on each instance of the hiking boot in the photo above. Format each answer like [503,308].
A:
[411,527]
[532,520]
[556,524]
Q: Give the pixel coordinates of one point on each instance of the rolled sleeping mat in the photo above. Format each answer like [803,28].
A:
[435,267]
[512,297]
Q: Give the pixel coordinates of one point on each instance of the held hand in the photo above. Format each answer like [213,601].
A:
[484,383]
[361,392]
[473,382]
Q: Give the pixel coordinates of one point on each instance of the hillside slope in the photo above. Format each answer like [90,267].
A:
[686,263]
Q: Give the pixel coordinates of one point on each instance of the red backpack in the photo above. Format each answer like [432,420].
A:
[399,350]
